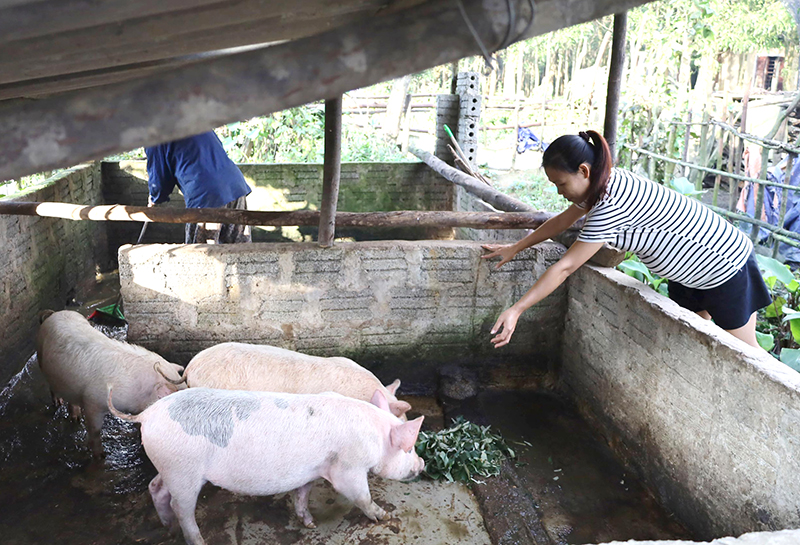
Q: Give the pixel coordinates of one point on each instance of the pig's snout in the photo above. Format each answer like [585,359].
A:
[419,467]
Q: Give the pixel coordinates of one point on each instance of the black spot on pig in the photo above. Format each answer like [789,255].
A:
[211,413]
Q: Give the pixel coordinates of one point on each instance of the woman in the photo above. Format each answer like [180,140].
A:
[710,264]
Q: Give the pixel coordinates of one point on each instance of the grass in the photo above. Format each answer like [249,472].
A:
[531,187]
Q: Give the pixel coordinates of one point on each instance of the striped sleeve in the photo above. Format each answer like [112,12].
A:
[604,222]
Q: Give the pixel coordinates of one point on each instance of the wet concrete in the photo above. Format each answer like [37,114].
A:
[50,490]
[564,488]
[565,479]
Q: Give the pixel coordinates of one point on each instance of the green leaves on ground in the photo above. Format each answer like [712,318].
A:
[462,452]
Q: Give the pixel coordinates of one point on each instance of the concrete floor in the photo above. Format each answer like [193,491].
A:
[48,489]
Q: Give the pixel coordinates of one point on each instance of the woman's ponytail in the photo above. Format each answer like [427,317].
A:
[569,152]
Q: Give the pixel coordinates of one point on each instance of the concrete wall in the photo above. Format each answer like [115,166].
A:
[399,308]
[45,261]
[364,187]
[710,422]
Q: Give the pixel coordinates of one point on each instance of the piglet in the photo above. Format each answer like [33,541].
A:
[80,363]
[261,443]
[240,366]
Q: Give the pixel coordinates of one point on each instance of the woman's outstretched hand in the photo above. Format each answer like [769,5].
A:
[506,324]
[506,251]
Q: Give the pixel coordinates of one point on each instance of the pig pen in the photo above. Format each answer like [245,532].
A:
[633,418]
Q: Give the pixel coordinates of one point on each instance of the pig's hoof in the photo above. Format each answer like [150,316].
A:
[378,514]
[309,524]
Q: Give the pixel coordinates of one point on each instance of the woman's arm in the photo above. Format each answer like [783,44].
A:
[578,254]
[552,227]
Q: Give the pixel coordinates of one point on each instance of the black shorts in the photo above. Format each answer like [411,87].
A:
[730,304]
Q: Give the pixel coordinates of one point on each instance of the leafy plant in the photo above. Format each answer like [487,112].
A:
[635,268]
[684,187]
[778,326]
[462,452]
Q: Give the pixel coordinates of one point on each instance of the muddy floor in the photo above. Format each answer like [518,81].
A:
[563,488]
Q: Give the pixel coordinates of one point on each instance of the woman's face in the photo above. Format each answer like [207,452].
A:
[572,186]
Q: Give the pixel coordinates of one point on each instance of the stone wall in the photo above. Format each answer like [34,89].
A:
[46,261]
[399,308]
[364,187]
[710,422]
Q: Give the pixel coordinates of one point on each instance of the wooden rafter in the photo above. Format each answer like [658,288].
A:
[66,129]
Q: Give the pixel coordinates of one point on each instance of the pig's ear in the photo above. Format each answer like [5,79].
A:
[399,408]
[392,388]
[379,400]
[405,435]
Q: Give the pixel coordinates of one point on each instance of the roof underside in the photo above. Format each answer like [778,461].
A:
[80,79]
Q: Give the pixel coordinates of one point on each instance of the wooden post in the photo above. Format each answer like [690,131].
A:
[651,162]
[686,135]
[697,175]
[670,168]
[331,171]
[406,132]
[737,157]
[720,147]
[615,82]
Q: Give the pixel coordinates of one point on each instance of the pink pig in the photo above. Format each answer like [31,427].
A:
[260,367]
[80,363]
[262,443]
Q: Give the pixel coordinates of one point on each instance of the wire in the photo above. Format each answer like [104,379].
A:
[507,40]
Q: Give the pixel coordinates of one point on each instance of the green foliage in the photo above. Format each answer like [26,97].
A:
[632,266]
[778,324]
[462,452]
[531,187]
[684,187]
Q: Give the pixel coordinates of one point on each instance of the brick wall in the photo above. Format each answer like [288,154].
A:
[400,308]
[364,187]
[45,260]
[710,422]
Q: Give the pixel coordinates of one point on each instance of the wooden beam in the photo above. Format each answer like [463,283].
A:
[615,82]
[68,129]
[498,200]
[94,78]
[133,43]
[117,212]
[331,171]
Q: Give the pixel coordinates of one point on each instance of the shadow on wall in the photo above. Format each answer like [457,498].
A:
[401,309]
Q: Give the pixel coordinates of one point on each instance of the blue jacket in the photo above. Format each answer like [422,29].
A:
[199,166]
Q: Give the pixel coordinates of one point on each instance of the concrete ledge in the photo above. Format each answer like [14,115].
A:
[710,422]
[785,537]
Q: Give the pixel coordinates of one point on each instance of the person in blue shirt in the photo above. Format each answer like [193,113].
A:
[206,176]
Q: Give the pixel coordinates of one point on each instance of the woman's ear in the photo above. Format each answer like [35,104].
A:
[585,169]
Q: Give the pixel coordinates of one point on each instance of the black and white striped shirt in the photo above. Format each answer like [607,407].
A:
[675,236]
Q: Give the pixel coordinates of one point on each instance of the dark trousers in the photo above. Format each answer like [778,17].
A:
[220,233]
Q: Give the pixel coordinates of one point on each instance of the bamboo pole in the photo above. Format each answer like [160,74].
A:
[403,218]
[471,184]
[673,133]
[747,219]
[698,179]
[686,135]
